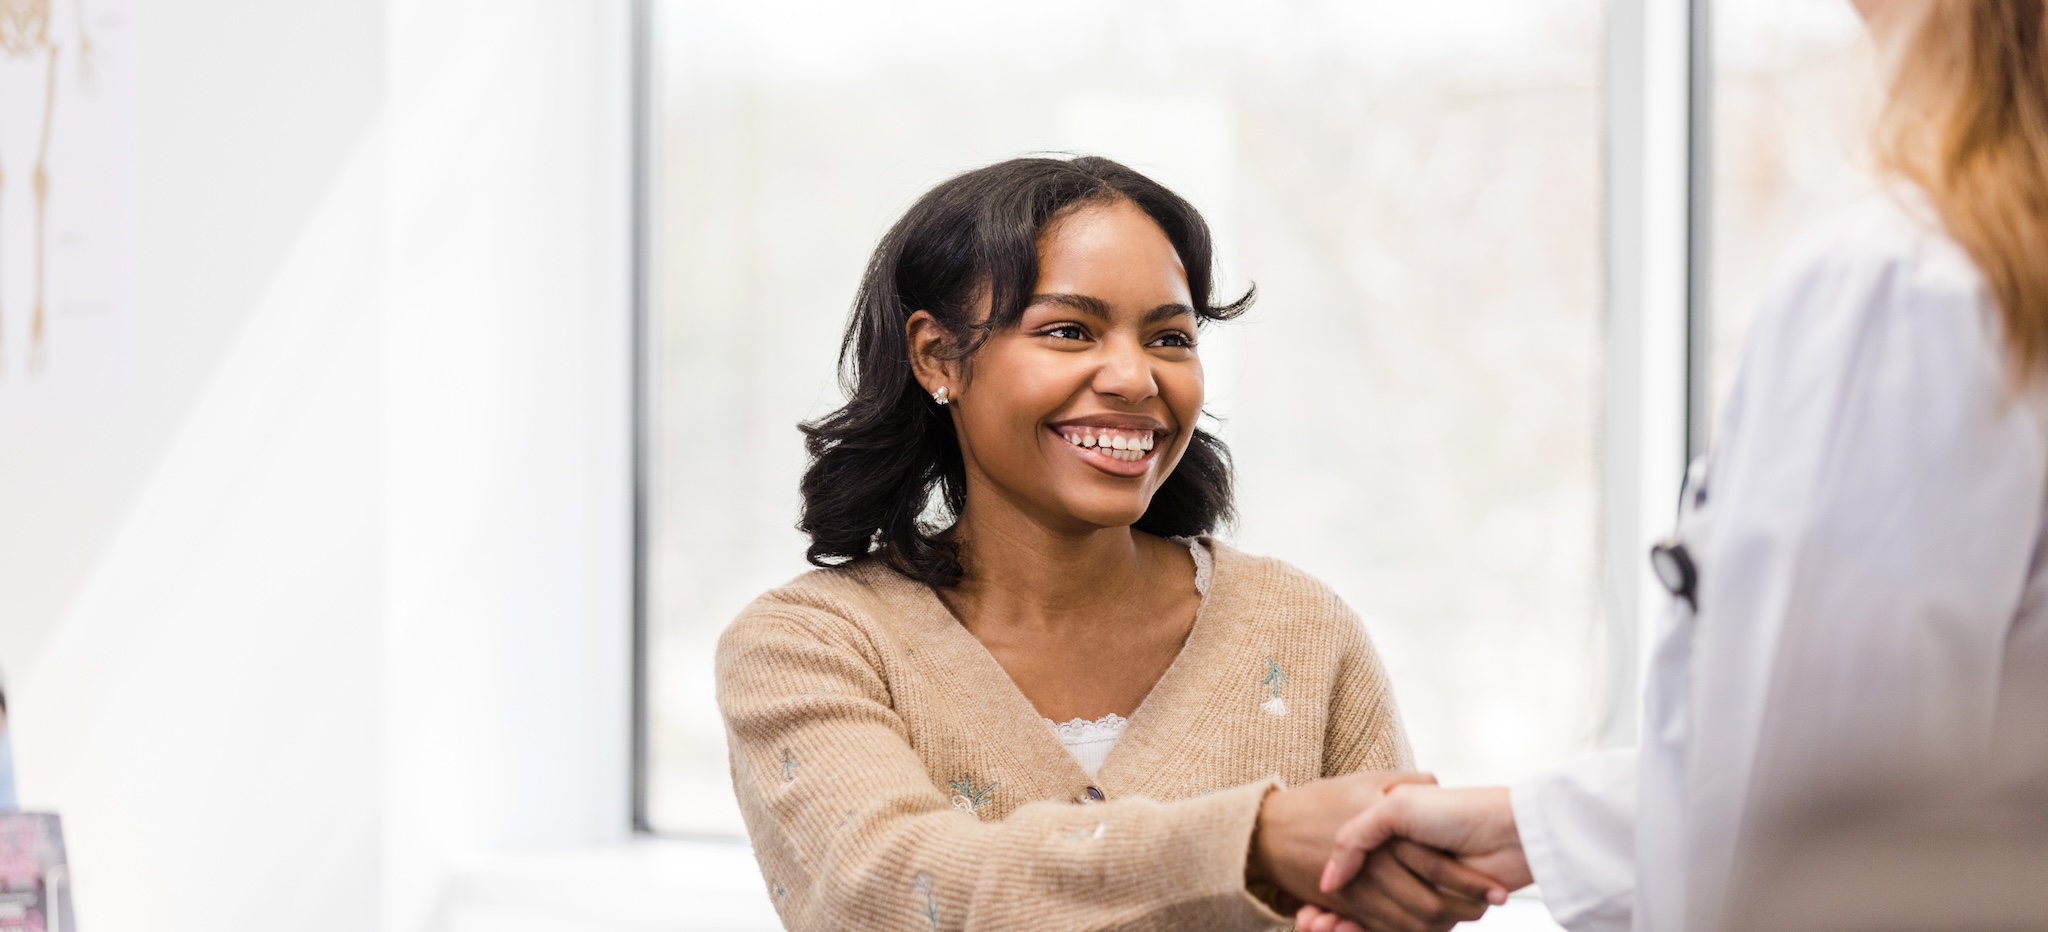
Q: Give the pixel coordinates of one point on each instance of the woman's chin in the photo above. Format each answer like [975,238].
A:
[1107,514]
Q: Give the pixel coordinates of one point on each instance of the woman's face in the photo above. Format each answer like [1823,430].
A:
[1080,412]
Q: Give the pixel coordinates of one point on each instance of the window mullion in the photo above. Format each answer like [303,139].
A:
[1651,202]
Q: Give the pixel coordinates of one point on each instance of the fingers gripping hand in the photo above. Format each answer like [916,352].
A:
[1401,886]
[1316,919]
[1462,882]
[1365,832]
[1405,887]
[1476,825]
[1402,900]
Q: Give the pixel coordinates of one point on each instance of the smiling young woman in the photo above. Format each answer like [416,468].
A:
[1027,690]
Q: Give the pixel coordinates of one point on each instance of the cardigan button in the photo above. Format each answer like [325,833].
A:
[1094,795]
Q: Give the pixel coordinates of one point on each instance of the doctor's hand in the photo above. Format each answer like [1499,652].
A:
[1403,886]
[1477,825]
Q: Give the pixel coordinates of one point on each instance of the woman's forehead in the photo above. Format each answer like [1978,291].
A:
[1112,252]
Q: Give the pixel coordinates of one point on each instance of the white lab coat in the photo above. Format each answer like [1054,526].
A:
[1873,600]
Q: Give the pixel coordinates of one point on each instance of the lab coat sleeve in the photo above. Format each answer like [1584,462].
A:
[1578,831]
[1873,504]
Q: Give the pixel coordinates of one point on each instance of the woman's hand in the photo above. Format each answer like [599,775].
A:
[1476,825]
[1407,887]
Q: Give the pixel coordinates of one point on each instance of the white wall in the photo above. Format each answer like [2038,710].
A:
[331,600]
[507,392]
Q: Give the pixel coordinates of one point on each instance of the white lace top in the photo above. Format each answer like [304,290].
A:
[1090,742]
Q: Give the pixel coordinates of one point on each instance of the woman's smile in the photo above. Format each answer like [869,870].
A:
[1120,446]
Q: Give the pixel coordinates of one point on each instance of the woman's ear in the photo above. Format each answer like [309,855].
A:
[929,353]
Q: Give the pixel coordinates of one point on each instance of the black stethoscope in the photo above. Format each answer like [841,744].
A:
[1673,565]
[1669,559]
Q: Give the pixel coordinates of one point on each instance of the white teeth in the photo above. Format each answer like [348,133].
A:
[1128,446]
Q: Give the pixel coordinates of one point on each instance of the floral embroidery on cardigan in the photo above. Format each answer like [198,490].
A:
[1275,679]
[923,888]
[788,766]
[967,798]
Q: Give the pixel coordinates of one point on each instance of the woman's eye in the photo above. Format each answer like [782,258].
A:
[1176,340]
[1066,332]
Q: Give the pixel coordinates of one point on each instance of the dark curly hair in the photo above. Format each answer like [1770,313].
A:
[876,461]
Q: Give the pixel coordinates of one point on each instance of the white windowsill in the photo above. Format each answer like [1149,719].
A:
[639,886]
[677,885]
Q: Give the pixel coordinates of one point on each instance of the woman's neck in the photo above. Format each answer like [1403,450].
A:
[1020,573]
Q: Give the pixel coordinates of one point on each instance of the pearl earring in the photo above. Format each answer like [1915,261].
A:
[940,396]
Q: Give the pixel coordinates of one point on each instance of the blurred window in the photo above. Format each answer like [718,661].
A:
[1794,93]
[1415,187]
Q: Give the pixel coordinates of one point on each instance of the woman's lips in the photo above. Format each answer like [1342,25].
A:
[1115,450]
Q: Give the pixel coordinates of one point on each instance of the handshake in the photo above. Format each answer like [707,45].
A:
[1387,852]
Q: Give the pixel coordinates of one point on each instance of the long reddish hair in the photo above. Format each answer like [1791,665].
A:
[1966,120]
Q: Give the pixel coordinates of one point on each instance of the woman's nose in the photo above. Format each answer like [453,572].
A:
[1126,372]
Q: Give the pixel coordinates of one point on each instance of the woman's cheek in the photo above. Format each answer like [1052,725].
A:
[1187,393]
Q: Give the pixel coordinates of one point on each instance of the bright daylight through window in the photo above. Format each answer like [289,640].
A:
[1794,96]
[1412,404]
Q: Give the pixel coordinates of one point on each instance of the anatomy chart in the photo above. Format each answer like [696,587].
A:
[66,210]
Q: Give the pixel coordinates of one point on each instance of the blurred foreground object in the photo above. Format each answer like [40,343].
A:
[1890,835]
[35,885]
[1967,859]
[7,798]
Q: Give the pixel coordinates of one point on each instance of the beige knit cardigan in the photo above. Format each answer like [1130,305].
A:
[893,777]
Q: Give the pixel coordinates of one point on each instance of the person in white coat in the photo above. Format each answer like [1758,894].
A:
[1846,714]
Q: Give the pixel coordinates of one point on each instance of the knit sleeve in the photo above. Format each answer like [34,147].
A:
[1365,730]
[851,832]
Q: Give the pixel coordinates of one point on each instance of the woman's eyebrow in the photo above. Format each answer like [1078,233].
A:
[1099,309]
[1093,307]
[1166,312]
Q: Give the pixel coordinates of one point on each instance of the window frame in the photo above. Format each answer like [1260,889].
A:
[643,72]
[1656,399]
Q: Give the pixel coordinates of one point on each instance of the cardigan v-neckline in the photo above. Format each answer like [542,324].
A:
[1148,741]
